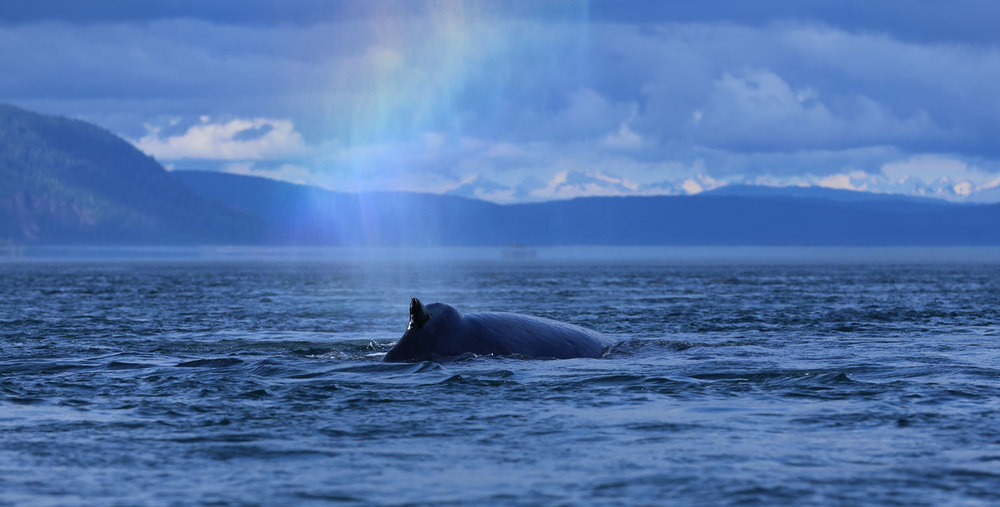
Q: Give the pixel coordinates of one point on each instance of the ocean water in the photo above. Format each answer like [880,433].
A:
[740,377]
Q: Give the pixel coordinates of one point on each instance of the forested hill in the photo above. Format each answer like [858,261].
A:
[65,181]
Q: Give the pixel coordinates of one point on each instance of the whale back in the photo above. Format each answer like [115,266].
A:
[525,335]
[439,330]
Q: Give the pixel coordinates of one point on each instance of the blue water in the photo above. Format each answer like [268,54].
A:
[741,376]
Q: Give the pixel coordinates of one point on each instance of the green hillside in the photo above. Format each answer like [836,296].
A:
[70,182]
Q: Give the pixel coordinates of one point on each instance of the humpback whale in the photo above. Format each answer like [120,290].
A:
[438,330]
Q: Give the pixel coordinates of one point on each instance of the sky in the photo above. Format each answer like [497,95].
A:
[529,101]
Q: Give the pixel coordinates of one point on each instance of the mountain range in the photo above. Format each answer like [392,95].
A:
[309,215]
[69,182]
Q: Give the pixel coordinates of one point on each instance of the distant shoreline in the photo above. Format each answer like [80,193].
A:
[376,255]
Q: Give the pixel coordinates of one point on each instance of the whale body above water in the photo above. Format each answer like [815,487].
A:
[438,330]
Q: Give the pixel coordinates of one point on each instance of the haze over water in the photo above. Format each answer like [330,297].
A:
[741,376]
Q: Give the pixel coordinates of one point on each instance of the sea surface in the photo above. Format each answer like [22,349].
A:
[741,376]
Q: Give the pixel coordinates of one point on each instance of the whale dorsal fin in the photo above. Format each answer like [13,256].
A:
[418,314]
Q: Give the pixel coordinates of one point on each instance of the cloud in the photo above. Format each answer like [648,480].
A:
[756,109]
[507,103]
[238,139]
[587,114]
[624,138]
[353,76]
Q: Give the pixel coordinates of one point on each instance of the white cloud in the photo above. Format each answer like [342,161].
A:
[434,140]
[238,139]
[757,109]
[624,138]
[504,150]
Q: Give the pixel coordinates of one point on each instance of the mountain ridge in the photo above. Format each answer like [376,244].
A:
[832,194]
[704,219]
[69,181]
[65,181]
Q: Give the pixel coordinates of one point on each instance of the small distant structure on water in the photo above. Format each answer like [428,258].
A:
[517,251]
[11,250]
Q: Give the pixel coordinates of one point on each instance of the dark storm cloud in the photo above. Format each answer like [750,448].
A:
[913,20]
[259,12]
